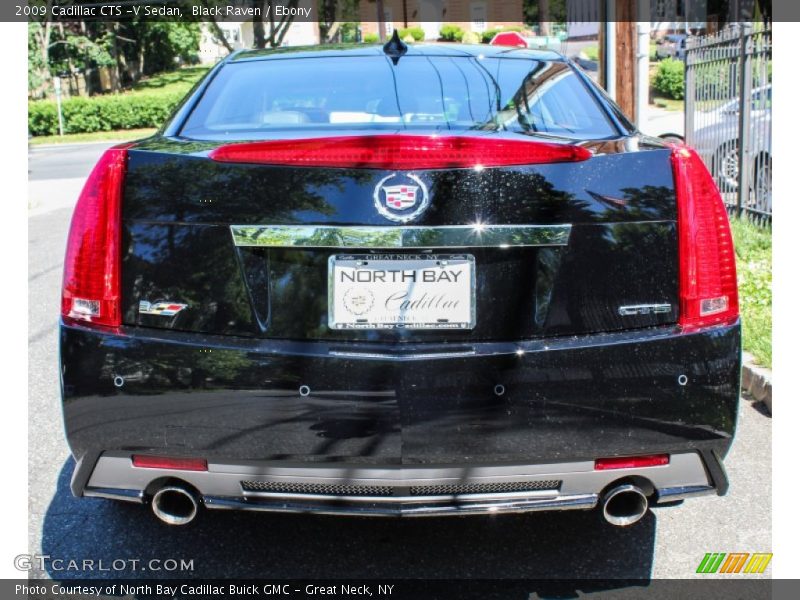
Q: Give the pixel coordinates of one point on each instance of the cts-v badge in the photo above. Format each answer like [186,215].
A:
[644,309]
[161,309]
[401,197]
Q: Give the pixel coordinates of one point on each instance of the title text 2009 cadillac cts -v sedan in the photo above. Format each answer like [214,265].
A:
[422,280]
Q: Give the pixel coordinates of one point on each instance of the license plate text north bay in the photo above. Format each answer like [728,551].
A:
[397,291]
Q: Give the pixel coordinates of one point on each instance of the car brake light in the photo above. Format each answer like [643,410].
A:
[90,290]
[400,152]
[631,462]
[166,462]
[706,258]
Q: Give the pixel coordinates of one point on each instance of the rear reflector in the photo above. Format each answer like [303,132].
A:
[631,462]
[165,462]
[706,258]
[90,290]
[406,152]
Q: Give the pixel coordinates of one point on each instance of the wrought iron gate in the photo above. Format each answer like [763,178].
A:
[729,113]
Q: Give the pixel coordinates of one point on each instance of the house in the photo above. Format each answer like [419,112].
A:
[240,35]
[239,32]
[677,16]
[666,16]
[430,15]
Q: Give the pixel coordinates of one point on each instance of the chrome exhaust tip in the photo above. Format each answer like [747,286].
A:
[174,505]
[624,505]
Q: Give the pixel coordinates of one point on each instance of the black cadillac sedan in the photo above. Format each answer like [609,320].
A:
[391,280]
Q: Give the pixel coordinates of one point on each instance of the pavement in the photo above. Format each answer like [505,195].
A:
[56,174]
[662,122]
[667,543]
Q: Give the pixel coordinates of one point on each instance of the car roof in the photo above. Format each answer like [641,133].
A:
[356,50]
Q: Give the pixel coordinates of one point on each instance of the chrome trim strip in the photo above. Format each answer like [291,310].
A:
[136,496]
[454,507]
[671,494]
[445,236]
[400,357]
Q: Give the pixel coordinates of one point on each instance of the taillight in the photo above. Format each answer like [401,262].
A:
[631,462]
[144,461]
[406,152]
[706,258]
[90,290]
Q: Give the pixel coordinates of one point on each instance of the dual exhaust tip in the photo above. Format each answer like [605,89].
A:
[175,505]
[622,506]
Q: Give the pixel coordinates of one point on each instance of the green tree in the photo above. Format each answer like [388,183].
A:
[337,19]
[273,35]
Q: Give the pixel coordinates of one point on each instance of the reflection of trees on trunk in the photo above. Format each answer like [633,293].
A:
[191,265]
[198,190]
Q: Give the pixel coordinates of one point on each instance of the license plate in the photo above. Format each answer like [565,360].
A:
[401,291]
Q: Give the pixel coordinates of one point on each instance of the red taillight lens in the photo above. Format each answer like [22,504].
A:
[707,262]
[90,289]
[631,462]
[166,462]
[406,152]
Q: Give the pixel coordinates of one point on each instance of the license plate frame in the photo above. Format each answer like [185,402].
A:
[465,263]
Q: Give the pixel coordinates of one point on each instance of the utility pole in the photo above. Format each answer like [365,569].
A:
[627,43]
[381,24]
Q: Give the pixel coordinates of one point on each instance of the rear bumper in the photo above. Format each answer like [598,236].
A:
[269,404]
[428,491]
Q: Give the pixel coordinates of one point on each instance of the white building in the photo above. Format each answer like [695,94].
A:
[240,35]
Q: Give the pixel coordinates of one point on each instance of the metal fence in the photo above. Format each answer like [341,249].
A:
[729,113]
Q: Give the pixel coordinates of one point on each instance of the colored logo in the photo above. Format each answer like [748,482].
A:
[401,197]
[161,309]
[734,562]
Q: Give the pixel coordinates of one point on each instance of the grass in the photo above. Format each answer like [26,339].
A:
[180,80]
[591,52]
[668,103]
[754,269]
[122,135]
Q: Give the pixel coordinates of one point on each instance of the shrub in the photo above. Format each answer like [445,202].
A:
[42,118]
[669,78]
[409,39]
[370,38]
[416,32]
[451,33]
[103,113]
[470,37]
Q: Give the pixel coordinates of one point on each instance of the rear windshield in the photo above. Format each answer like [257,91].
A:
[250,100]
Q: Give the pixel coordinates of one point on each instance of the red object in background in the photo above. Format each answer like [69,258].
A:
[509,38]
